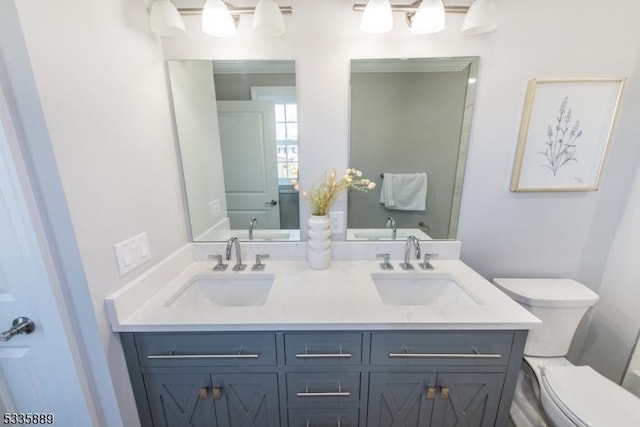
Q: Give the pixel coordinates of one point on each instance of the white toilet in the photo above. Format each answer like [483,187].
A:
[551,391]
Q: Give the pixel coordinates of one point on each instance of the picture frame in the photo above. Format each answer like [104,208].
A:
[564,134]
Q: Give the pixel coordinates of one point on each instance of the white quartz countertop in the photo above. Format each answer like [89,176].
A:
[343,296]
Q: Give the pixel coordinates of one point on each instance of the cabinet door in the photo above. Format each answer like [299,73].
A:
[467,400]
[246,400]
[179,400]
[400,399]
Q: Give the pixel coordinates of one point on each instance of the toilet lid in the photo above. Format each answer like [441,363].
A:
[588,398]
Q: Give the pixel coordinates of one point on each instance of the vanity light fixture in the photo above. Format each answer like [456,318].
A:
[426,16]
[429,18]
[481,18]
[267,20]
[377,17]
[165,20]
[219,18]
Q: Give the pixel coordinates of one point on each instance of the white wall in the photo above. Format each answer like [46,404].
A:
[105,96]
[104,91]
[615,319]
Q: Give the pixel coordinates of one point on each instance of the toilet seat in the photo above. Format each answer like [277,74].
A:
[583,397]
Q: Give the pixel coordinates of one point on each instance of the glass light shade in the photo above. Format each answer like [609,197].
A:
[481,18]
[165,20]
[377,17]
[429,18]
[217,20]
[267,19]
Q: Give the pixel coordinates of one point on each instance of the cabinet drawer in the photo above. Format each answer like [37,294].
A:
[323,349]
[206,349]
[323,417]
[441,348]
[323,388]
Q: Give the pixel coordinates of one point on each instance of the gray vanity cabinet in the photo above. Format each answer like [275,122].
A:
[317,378]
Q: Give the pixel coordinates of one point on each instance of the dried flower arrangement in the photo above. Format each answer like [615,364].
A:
[322,197]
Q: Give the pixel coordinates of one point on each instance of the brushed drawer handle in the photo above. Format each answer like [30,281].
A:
[324,394]
[441,355]
[323,356]
[203,356]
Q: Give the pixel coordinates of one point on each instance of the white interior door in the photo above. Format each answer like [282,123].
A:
[37,371]
[248,140]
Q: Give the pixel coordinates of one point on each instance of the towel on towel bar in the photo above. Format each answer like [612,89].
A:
[404,191]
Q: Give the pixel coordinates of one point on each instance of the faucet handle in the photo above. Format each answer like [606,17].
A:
[426,265]
[220,266]
[259,266]
[385,264]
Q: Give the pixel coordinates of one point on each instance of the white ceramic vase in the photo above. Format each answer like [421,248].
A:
[319,242]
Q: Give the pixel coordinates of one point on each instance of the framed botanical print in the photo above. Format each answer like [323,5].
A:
[565,132]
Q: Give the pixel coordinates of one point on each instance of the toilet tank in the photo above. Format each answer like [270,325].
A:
[559,303]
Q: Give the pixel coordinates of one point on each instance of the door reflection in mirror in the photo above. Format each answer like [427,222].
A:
[237,132]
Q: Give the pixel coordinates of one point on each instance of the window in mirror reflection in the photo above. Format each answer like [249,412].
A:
[286,120]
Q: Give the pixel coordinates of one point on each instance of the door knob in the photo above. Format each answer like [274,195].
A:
[21,325]
[271,203]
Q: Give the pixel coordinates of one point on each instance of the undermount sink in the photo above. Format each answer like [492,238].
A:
[229,290]
[420,288]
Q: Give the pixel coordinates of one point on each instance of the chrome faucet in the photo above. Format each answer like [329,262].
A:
[391,223]
[411,240]
[253,222]
[235,242]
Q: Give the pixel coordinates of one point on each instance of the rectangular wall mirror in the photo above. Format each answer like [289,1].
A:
[238,141]
[410,124]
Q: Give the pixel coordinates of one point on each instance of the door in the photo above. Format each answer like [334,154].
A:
[248,142]
[38,374]
[467,399]
[400,399]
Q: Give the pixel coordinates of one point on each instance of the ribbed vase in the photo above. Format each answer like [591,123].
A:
[319,242]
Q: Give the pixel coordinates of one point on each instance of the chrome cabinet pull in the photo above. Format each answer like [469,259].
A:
[475,355]
[338,393]
[449,355]
[324,394]
[307,355]
[203,356]
[323,355]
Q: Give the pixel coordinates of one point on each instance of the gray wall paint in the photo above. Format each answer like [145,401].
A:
[405,123]
[237,87]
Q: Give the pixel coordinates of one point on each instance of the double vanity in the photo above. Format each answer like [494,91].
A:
[352,345]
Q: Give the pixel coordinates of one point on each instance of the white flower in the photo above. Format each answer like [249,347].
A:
[358,173]
[371,186]
[347,178]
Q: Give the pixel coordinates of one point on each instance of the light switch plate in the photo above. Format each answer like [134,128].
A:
[132,253]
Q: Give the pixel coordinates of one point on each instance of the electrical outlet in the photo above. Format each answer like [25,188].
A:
[336,222]
[215,209]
